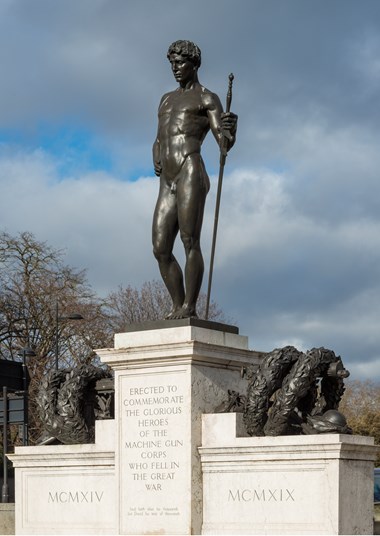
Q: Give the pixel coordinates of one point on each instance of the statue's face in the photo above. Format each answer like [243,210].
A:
[182,68]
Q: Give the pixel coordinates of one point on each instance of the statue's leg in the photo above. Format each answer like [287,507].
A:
[164,231]
[192,189]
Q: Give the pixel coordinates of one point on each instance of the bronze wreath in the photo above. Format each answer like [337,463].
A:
[291,377]
[61,400]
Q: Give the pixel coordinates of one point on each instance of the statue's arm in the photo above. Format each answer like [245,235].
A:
[156,145]
[220,121]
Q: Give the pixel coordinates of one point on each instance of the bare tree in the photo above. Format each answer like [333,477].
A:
[129,305]
[33,281]
[361,407]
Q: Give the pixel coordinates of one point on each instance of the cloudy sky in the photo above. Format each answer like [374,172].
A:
[298,256]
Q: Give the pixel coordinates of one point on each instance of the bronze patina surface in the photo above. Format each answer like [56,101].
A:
[185,116]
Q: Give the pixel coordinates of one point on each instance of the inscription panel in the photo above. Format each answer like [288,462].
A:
[68,500]
[154,451]
[269,499]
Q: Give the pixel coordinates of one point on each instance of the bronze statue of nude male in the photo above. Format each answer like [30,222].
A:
[185,116]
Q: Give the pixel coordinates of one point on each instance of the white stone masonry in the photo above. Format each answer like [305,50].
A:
[317,484]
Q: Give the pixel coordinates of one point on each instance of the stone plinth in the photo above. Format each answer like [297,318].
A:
[67,489]
[164,380]
[319,484]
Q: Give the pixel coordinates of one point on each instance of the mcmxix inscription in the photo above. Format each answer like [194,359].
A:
[261,495]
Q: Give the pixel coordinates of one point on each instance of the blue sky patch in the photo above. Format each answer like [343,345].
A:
[76,148]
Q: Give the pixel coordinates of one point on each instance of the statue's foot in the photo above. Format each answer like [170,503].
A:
[183,312]
[173,314]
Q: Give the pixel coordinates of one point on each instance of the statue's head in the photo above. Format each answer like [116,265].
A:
[188,50]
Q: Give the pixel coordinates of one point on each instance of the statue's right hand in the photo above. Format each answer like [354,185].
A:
[157,168]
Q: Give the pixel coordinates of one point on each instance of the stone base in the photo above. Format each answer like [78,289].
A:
[165,379]
[7,518]
[320,484]
[155,470]
[67,489]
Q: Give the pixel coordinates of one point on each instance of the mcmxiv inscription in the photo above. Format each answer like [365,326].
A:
[75,497]
[261,495]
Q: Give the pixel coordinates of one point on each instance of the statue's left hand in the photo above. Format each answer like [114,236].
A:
[228,131]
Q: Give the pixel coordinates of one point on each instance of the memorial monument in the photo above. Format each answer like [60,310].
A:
[196,445]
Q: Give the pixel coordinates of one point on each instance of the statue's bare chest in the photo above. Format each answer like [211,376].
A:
[187,103]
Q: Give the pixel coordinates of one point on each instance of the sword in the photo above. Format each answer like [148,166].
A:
[223,155]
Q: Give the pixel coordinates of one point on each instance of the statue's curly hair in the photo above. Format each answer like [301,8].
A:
[188,49]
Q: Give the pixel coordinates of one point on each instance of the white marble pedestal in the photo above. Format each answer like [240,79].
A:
[317,484]
[164,380]
[67,489]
